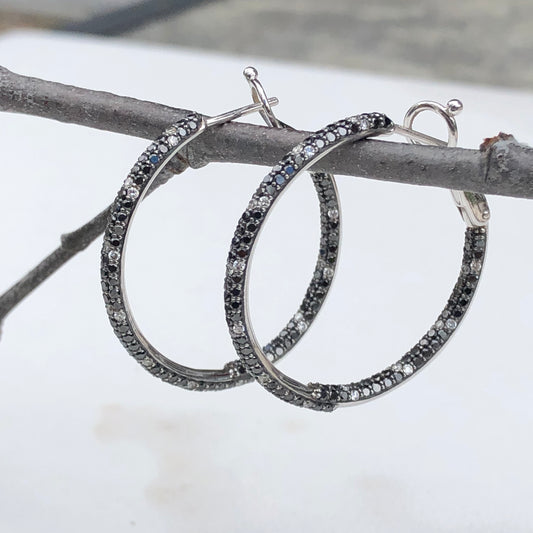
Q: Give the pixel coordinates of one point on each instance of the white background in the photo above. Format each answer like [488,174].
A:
[91,442]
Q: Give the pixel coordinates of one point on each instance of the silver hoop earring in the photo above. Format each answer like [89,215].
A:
[325,397]
[141,177]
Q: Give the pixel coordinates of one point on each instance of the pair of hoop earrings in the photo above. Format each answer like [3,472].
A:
[256,362]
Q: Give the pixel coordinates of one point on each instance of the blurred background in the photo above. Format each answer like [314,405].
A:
[478,41]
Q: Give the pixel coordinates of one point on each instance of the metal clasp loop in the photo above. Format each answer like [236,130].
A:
[473,207]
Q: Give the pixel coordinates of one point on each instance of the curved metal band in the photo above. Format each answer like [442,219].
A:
[134,189]
[319,396]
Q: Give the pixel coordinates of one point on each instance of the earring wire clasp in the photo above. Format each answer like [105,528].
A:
[473,206]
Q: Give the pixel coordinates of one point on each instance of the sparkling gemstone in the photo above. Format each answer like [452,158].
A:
[133,193]
[301,326]
[119,316]
[298,316]
[342,131]
[289,169]
[451,323]
[154,158]
[328,273]
[387,382]
[439,324]
[173,140]
[239,264]
[279,350]
[408,369]
[376,387]
[162,148]
[333,214]
[354,395]
[267,178]
[128,182]
[264,201]
[238,328]
[330,136]
[366,391]
[309,150]
[298,148]
[171,130]
[396,367]
[320,143]
[113,255]
[270,356]
[363,124]
[280,179]
[476,265]
[263,378]
[182,132]
[192,125]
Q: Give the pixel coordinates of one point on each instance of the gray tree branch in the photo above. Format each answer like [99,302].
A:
[502,165]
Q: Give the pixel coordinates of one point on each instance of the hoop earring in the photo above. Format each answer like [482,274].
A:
[141,177]
[324,397]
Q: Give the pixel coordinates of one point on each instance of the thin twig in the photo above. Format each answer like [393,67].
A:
[505,168]
[502,166]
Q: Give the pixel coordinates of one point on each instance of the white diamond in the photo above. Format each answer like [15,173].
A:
[301,326]
[387,382]
[320,143]
[363,124]
[439,324]
[128,182]
[238,328]
[328,273]
[173,140]
[354,395]
[407,369]
[239,264]
[113,255]
[333,214]
[330,136]
[192,125]
[476,265]
[366,392]
[342,131]
[133,193]
[119,316]
[451,323]
[182,132]
[376,387]
[298,148]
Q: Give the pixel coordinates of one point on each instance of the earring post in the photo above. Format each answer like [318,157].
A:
[237,113]
[418,136]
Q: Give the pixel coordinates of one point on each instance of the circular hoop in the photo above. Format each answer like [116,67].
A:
[319,396]
[139,180]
